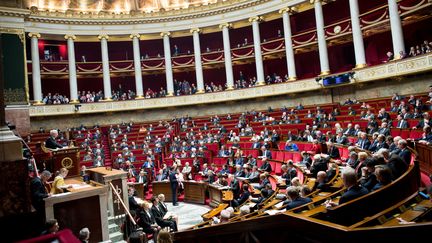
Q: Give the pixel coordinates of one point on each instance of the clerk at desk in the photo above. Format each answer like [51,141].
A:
[51,140]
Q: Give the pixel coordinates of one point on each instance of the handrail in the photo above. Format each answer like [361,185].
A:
[122,203]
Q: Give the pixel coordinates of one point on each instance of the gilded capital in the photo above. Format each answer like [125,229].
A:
[36,35]
[198,30]
[167,33]
[103,36]
[256,19]
[289,10]
[67,37]
[228,25]
[316,1]
[135,35]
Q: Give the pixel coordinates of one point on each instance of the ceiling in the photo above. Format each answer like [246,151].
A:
[115,6]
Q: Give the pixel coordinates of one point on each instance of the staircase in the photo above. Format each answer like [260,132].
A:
[115,234]
[107,151]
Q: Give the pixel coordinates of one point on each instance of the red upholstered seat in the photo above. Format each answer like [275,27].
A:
[277,168]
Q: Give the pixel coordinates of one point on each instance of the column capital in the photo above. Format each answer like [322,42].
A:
[228,25]
[256,19]
[318,1]
[198,30]
[166,33]
[37,35]
[290,10]
[67,37]
[103,36]
[135,35]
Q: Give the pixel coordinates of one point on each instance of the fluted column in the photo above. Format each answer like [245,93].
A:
[168,64]
[227,55]
[396,29]
[73,86]
[357,35]
[198,64]
[37,86]
[105,66]
[257,49]
[292,75]
[322,44]
[137,66]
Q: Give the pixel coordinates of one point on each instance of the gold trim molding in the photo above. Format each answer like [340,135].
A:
[67,37]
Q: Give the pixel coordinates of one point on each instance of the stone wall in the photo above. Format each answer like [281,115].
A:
[377,89]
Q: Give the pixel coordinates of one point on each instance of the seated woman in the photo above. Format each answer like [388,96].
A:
[58,185]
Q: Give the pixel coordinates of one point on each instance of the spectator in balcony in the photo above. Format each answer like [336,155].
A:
[412,52]
[403,55]
[390,56]
[176,50]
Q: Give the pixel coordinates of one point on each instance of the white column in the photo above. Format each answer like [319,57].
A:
[37,86]
[168,64]
[105,66]
[396,29]
[292,75]
[357,35]
[137,65]
[257,49]
[73,86]
[227,55]
[322,44]
[198,64]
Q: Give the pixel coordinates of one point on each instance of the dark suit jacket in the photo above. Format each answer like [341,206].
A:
[163,208]
[235,187]
[38,193]
[244,196]
[333,153]
[405,154]
[353,193]
[402,124]
[145,221]
[158,215]
[52,144]
[298,202]
[266,167]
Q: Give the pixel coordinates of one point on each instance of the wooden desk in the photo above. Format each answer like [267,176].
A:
[139,188]
[216,195]
[162,187]
[81,207]
[194,191]
[119,180]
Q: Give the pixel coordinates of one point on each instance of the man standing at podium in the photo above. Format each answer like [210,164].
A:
[51,140]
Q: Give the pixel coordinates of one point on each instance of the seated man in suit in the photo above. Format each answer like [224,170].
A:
[265,167]
[332,151]
[294,198]
[51,140]
[234,186]
[321,181]
[354,190]
[245,194]
[164,209]
[142,178]
[159,215]
[404,152]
